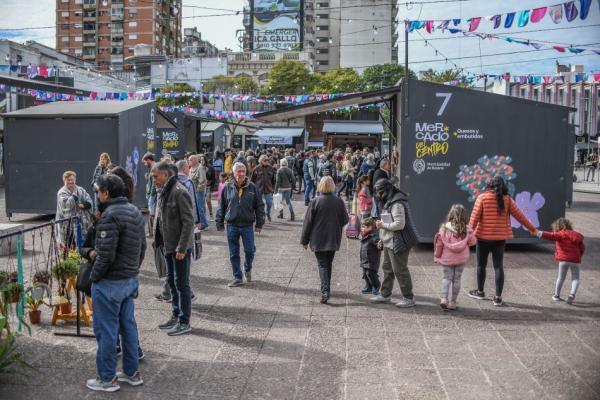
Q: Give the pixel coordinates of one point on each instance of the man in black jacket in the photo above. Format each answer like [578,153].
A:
[118,253]
[241,206]
[173,232]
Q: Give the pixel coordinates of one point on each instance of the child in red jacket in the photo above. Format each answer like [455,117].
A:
[569,249]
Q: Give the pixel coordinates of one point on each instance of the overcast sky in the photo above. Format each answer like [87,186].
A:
[221,31]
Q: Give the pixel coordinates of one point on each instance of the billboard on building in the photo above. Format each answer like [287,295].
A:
[277,25]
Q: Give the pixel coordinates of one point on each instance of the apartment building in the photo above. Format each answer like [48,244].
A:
[104,32]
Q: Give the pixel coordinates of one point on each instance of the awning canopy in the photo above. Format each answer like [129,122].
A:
[353,127]
[302,110]
[278,136]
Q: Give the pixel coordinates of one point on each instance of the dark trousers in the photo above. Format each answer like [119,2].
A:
[178,276]
[371,279]
[347,186]
[325,262]
[496,247]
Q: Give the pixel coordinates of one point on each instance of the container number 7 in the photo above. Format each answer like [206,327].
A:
[446,97]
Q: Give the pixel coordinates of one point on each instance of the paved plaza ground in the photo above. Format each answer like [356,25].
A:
[272,339]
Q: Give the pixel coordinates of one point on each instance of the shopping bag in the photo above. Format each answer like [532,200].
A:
[353,227]
[278,202]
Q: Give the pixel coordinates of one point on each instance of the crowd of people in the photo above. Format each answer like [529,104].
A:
[248,187]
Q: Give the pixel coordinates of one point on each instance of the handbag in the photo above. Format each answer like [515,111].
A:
[160,263]
[83,282]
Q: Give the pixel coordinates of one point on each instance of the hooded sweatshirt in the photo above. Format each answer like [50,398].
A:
[449,249]
[569,245]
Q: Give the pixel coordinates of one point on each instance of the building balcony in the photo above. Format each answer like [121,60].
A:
[89,19]
[117,17]
[89,6]
[89,56]
[90,31]
[89,44]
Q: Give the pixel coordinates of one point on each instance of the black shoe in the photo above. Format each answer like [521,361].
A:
[324,298]
[306,204]
[119,351]
[292,217]
[476,294]
[498,301]
[366,289]
[170,323]
[280,215]
[160,297]
[269,217]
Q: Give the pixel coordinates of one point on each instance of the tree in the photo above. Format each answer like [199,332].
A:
[189,101]
[245,85]
[288,77]
[383,75]
[448,75]
[339,80]
[219,84]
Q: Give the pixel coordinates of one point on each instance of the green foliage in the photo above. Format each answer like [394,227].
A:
[383,75]
[219,84]
[245,85]
[67,268]
[339,80]
[178,101]
[32,303]
[288,77]
[8,350]
[445,76]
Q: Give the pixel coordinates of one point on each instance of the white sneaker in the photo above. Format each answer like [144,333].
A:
[100,386]
[133,380]
[405,303]
[380,299]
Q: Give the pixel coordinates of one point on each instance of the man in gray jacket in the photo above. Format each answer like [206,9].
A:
[173,232]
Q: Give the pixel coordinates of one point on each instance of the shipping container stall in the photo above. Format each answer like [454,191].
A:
[449,141]
[452,140]
[44,141]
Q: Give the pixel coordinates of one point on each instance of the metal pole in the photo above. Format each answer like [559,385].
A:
[20,279]
[485,83]
[406,83]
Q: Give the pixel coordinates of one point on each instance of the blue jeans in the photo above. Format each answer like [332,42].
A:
[286,197]
[309,186]
[233,240]
[201,205]
[178,276]
[152,205]
[113,312]
[268,202]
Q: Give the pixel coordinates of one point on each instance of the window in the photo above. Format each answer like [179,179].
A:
[132,11]
[89,26]
[78,52]
[64,14]
[132,24]
[65,1]
[522,92]
[78,38]
[323,16]
[64,38]
[323,62]
[77,26]
[322,51]
[561,97]
[548,95]
[536,94]
[89,2]
[322,28]
[78,1]
[78,13]
[133,37]
[322,5]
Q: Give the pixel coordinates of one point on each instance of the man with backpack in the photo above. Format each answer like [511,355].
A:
[328,168]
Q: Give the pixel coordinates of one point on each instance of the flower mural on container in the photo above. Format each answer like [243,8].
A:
[530,205]
[473,178]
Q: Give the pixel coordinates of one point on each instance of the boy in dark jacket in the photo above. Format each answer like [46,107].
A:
[370,255]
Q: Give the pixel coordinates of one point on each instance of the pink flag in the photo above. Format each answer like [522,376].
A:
[559,48]
[537,14]
[596,77]
[474,23]
[547,79]
[429,26]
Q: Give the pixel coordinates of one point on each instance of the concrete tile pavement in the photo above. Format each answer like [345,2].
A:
[271,339]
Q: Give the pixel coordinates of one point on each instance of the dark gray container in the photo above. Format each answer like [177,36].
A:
[44,141]
[455,138]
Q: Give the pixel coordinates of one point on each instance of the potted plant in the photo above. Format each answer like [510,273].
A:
[9,286]
[41,280]
[63,271]
[35,313]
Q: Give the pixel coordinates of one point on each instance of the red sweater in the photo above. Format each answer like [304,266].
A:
[569,245]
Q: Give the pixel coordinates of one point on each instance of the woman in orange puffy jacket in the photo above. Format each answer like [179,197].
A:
[490,219]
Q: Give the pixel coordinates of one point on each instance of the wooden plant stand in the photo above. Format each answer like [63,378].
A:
[86,314]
